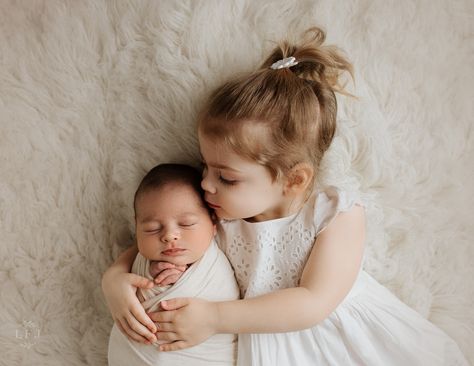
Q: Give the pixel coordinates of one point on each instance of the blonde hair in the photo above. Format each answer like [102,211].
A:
[279,118]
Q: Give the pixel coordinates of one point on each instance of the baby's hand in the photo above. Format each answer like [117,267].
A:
[166,273]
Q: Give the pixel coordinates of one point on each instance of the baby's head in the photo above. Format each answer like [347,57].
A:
[172,221]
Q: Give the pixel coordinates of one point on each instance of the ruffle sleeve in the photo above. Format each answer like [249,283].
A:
[330,202]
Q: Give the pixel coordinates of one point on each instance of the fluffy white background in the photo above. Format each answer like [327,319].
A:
[94,93]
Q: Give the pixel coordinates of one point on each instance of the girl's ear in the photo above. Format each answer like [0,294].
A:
[299,178]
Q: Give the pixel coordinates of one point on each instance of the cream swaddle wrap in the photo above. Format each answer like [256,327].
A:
[210,278]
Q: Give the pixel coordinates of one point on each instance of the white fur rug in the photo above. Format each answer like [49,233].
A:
[94,93]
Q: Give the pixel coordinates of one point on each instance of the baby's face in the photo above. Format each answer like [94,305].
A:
[172,225]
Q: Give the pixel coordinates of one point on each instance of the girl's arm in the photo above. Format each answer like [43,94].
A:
[119,288]
[327,278]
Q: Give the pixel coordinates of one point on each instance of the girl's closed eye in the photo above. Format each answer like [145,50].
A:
[227,181]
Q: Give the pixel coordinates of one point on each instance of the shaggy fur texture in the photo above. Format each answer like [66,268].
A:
[92,94]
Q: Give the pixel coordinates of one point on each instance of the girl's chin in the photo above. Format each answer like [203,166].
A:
[223,216]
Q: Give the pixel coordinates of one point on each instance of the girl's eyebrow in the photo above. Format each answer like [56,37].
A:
[219,166]
[224,167]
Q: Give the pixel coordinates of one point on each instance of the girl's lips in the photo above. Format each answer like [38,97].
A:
[173,252]
[213,206]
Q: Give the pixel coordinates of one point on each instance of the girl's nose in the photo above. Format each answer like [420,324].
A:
[207,185]
[170,235]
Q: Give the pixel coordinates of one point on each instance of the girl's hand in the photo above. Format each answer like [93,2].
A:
[166,273]
[185,322]
[120,293]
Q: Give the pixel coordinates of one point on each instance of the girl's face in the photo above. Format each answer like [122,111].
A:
[173,225]
[237,188]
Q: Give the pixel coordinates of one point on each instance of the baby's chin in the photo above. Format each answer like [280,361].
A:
[176,262]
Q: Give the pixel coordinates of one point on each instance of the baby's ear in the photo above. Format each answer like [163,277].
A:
[299,178]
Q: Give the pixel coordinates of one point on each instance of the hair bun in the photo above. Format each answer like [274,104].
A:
[314,61]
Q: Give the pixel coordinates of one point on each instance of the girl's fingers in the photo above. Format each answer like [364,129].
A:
[162,316]
[174,304]
[124,332]
[130,333]
[173,346]
[119,326]
[167,336]
[139,328]
[165,327]
[139,281]
[139,313]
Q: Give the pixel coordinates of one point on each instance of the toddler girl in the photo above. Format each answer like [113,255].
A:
[297,250]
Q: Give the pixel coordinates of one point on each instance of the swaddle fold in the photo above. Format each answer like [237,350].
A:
[210,278]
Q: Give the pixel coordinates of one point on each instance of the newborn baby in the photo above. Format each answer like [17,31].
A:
[175,230]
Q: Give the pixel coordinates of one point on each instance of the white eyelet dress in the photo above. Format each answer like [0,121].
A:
[370,327]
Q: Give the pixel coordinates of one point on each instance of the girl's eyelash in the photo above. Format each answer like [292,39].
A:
[221,179]
[226,181]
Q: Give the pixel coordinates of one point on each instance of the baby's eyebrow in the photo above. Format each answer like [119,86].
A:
[188,215]
[148,219]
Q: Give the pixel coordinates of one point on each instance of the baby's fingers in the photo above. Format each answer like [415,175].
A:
[156,267]
[164,277]
[171,279]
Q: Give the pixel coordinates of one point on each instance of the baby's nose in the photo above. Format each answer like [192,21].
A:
[170,235]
